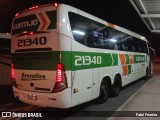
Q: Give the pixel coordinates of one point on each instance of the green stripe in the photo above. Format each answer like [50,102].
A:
[129,69]
[66,59]
[86,60]
[71,60]
[115,58]
[127,58]
[36,61]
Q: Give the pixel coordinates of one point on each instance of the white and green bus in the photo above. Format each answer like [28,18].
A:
[63,57]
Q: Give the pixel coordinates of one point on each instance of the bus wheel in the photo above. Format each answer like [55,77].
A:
[116,87]
[104,91]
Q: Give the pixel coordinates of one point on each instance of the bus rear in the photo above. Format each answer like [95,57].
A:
[38,75]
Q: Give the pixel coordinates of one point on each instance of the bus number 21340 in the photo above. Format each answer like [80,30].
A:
[29,41]
[87,60]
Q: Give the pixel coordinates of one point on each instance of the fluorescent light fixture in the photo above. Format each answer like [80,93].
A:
[143,38]
[113,40]
[78,32]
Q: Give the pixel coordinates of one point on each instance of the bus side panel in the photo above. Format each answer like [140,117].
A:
[63,20]
[105,72]
[82,85]
[59,100]
[95,82]
[66,58]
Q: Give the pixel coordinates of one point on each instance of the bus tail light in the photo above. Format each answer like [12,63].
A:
[12,71]
[61,80]
[13,75]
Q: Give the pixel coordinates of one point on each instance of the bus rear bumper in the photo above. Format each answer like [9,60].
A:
[56,100]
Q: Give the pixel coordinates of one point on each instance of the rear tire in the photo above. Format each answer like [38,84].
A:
[104,91]
[116,87]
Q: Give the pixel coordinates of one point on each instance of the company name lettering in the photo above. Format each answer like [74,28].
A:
[36,76]
[25,24]
[139,59]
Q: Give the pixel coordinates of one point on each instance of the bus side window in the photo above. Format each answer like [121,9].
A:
[79,37]
[89,40]
[144,47]
[107,37]
[98,39]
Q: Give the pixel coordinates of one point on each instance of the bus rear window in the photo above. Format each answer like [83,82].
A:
[37,22]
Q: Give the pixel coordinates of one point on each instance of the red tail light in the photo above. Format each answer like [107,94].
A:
[60,73]
[13,75]
[61,80]
[12,71]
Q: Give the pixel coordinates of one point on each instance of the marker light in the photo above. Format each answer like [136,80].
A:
[31,33]
[33,7]
[55,4]
[16,14]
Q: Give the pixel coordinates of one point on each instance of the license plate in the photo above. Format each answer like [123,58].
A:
[32,97]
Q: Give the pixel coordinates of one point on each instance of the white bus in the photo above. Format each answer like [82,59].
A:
[5,59]
[63,57]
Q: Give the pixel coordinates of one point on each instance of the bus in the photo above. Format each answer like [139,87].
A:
[5,59]
[63,57]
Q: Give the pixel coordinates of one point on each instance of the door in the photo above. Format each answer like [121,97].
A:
[95,80]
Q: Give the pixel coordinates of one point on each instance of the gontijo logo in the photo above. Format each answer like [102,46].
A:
[40,21]
[25,24]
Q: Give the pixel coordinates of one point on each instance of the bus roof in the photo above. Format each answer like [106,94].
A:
[90,16]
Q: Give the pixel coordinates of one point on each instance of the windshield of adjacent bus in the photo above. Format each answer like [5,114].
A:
[5,46]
